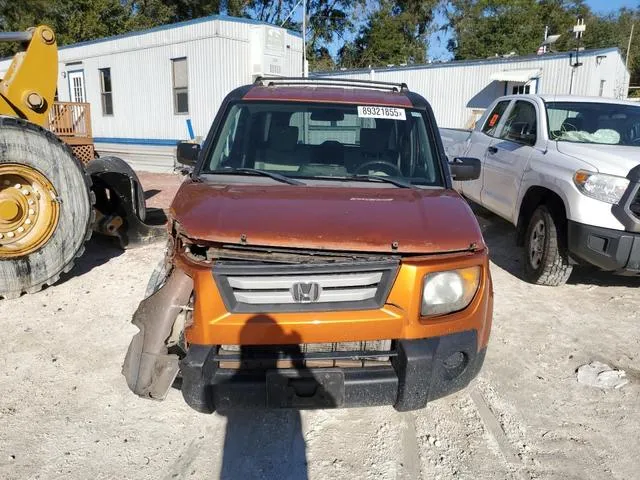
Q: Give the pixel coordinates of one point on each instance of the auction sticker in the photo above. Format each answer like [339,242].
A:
[391,113]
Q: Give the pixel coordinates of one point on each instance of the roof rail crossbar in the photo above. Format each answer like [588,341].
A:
[328,81]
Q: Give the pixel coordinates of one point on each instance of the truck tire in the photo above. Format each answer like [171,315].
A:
[46,210]
[546,260]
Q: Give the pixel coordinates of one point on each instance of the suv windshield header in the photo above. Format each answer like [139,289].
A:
[591,122]
[325,142]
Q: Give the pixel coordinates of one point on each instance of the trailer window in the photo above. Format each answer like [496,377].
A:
[105,91]
[180,85]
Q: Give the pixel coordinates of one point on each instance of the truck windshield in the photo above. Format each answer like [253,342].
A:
[591,122]
[326,142]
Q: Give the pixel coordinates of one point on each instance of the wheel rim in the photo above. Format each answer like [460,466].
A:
[29,210]
[536,243]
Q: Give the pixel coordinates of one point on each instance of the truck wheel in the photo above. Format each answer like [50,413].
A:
[546,261]
[45,208]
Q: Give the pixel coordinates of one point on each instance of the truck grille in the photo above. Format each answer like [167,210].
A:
[307,355]
[262,288]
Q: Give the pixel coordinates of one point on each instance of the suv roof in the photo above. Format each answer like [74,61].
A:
[330,90]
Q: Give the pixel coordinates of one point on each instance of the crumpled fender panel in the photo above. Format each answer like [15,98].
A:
[149,369]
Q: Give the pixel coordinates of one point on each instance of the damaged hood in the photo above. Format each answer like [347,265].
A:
[327,218]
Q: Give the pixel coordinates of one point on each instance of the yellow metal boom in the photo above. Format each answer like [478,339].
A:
[29,86]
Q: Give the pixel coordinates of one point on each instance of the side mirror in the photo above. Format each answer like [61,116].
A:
[187,153]
[465,168]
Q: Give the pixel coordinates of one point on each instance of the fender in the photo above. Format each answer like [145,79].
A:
[120,205]
[535,178]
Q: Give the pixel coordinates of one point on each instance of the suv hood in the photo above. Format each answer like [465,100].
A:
[611,159]
[331,218]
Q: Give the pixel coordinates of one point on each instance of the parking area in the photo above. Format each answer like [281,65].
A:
[66,411]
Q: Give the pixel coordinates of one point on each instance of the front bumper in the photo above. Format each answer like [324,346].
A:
[420,371]
[610,250]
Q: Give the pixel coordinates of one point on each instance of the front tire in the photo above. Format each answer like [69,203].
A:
[546,259]
[47,211]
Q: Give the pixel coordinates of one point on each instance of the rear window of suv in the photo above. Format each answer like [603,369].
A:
[326,141]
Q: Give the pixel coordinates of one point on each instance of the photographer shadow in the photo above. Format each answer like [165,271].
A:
[269,442]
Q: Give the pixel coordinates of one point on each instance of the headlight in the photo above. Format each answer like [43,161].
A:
[606,188]
[450,291]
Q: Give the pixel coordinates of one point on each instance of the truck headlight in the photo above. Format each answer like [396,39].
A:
[606,188]
[449,291]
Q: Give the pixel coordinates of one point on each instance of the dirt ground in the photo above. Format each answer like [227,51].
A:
[66,411]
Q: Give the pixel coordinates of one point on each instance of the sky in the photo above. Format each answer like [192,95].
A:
[438,41]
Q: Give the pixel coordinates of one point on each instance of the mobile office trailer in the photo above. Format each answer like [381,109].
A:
[149,89]
[459,91]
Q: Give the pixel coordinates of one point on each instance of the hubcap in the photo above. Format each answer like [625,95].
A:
[29,210]
[536,243]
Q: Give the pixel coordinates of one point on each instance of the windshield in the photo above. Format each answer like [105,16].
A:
[326,142]
[590,122]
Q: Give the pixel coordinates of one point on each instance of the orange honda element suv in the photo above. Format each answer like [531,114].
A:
[318,257]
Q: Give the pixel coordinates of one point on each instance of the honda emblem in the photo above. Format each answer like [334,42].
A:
[306,292]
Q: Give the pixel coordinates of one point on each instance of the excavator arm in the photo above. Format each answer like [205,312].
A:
[29,86]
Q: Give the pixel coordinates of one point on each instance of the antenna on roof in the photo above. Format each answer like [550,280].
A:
[578,29]
[549,40]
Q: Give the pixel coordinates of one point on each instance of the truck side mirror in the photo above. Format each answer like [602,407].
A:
[187,153]
[465,168]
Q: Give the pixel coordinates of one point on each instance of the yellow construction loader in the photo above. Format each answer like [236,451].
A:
[50,202]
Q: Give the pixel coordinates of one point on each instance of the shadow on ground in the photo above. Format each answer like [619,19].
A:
[151,193]
[500,236]
[98,251]
[264,444]
[269,442]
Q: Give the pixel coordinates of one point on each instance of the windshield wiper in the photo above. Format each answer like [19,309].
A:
[391,180]
[257,171]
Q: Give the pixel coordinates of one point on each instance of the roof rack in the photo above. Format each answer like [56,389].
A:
[331,82]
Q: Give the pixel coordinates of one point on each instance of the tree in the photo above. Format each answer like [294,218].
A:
[395,33]
[485,28]
[72,20]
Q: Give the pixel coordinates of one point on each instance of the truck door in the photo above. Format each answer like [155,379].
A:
[481,139]
[507,158]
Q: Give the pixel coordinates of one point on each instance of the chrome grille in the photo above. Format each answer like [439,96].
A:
[345,287]
[270,288]
[336,354]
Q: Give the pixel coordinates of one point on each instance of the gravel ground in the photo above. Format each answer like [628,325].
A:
[66,412]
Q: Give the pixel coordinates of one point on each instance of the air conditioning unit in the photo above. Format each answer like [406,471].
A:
[268,46]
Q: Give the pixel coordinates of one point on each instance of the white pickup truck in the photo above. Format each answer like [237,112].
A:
[566,172]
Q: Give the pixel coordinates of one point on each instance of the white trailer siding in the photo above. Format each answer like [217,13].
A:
[222,53]
[458,91]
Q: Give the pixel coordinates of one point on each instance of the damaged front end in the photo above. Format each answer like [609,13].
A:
[150,366]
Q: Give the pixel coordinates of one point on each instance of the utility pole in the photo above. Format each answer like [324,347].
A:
[629,46]
[305,68]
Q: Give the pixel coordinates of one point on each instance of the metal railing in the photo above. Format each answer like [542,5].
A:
[70,119]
